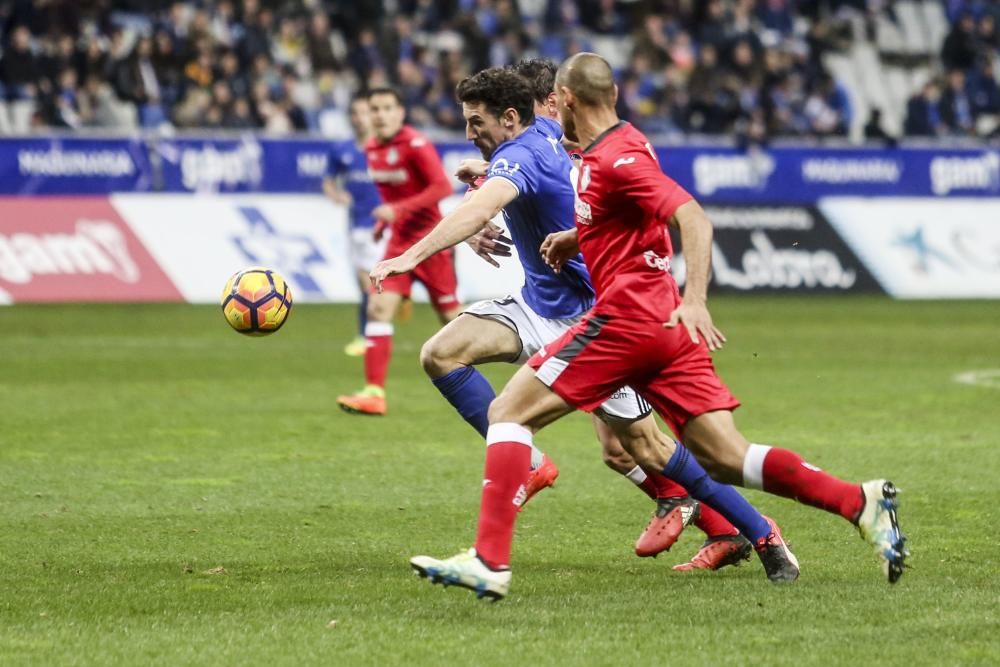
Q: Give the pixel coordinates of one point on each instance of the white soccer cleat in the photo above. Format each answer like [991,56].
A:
[466,570]
[879,527]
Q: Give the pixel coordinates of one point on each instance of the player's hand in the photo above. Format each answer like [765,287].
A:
[469,170]
[390,267]
[491,242]
[560,247]
[341,197]
[697,320]
[384,212]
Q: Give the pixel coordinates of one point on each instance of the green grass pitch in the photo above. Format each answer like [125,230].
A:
[172,493]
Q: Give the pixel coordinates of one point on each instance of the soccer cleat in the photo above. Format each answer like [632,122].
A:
[541,477]
[357,347]
[368,401]
[466,570]
[672,515]
[718,552]
[776,556]
[879,527]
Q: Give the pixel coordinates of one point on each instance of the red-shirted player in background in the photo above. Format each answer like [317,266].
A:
[411,180]
[632,337]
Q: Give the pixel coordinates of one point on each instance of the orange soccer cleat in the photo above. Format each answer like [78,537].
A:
[718,552]
[541,477]
[368,401]
[671,517]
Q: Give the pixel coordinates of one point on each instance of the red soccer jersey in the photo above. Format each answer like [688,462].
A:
[409,175]
[624,203]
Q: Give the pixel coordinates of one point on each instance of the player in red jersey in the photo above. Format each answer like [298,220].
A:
[407,170]
[643,334]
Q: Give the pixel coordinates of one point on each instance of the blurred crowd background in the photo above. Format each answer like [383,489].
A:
[756,69]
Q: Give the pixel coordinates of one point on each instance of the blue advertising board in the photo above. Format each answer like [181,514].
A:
[786,175]
[72,165]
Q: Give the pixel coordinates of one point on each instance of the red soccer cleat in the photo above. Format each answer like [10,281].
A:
[718,552]
[369,401]
[671,517]
[541,477]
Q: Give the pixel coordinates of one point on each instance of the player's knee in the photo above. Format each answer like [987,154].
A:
[501,410]
[436,359]
[379,310]
[614,455]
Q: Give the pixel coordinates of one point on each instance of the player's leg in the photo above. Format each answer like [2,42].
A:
[365,254]
[650,446]
[870,506]
[524,406]
[382,307]
[675,509]
[358,345]
[504,330]
[449,358]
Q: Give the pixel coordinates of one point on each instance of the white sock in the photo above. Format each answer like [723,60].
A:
[753,466]
[637,475]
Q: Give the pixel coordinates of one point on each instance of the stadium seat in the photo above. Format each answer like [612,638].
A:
[912,27]
[5,126]
[937,24]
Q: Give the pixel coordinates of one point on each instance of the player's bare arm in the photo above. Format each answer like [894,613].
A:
[560,247]
[696,239]
[469,217]
[336,194]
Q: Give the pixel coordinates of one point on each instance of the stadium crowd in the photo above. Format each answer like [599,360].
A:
[749,67]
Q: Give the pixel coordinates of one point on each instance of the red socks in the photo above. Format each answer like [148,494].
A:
[508,462]
[379,335]
[784,473]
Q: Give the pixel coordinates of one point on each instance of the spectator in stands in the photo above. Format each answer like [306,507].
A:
[923,118]
[19,70]
[960,46]
[983,90]
[956,107]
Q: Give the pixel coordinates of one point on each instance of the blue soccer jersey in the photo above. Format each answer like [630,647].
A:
[535,163]
[348,162]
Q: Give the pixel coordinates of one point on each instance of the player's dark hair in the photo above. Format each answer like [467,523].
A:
[358,96]
[386,90]
[540,73]
[499,89]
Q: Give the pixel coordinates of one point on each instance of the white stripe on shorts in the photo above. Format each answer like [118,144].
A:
[550,370]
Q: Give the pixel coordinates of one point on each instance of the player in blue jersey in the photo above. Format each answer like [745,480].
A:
[528,179]
[347,182]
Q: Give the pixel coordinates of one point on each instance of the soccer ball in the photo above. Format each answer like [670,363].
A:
[256,301]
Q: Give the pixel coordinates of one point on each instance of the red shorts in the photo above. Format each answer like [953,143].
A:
[589,362]
[437,273]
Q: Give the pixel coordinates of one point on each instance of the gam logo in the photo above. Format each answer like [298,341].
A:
[718,171]
[965,173]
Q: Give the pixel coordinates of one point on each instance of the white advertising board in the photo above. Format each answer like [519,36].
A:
[923,248]
[199,240]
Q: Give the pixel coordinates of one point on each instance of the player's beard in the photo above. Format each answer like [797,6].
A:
[486,152]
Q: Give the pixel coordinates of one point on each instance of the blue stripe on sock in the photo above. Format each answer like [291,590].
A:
[363,313]
[684,469]
[470,393]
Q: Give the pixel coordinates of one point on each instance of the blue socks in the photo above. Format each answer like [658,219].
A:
[470,393]
[363,313]
[684,469]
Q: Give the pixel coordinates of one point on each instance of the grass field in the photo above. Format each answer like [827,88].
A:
[175,494]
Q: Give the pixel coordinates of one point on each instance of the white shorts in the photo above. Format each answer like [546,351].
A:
[535,331]
[366,252]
